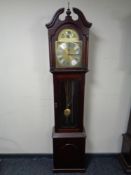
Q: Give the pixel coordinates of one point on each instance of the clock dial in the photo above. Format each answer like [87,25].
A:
[68,54]
[68,49]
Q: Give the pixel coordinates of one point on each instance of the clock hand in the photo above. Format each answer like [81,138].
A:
[73,54]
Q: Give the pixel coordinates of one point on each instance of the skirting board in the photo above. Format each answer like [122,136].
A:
[89,157]
[39,155]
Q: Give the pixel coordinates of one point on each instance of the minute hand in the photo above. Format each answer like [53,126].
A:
[73,54]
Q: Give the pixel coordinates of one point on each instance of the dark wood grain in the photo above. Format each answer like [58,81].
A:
[58,78]
[81,25]
[69,151]
[125,156]
[69,140]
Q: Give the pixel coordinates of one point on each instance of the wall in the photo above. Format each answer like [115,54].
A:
[26,93]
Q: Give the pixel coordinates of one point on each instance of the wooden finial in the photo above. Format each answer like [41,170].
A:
[68,5]
[68,12]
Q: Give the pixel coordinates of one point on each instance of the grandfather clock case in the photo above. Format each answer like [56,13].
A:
[125,156]
[68,52]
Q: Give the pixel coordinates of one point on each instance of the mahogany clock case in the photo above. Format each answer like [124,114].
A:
[69,82]
[76,82]
[125,156]
[69,151]
[81,25]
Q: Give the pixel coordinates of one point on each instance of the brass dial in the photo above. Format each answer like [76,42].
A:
[68,49]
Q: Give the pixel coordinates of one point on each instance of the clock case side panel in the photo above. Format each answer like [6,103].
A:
[59,100]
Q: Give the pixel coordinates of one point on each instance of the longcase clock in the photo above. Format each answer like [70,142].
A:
[68,51]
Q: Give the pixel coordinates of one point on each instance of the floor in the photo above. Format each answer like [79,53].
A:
[96,165]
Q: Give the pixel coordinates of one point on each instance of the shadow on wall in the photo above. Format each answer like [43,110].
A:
[125,65]
[90,80]
[9,145]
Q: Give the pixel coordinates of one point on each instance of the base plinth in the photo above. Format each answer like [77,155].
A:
[69,151]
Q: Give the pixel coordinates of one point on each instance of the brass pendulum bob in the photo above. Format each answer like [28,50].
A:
[67,112]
